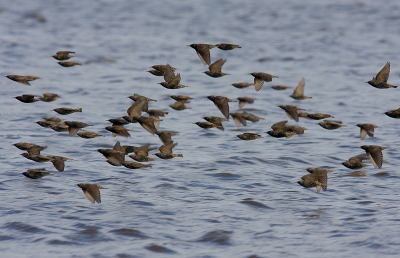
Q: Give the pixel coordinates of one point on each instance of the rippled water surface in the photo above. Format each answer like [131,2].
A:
[225,197]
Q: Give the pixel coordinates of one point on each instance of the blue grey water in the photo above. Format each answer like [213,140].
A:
[225,197]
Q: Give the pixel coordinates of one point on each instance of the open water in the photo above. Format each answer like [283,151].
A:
[225,197]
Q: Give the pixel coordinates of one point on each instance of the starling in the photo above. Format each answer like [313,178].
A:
[92,192]
[35,173]
[380,81]
[58,162]
[318,116]
[142,153]
[215,69]
[298,93]
[374,153]
[280,87]
[172,81]
[331,124]
[181,98]
[31,148]
[137,98]
[221,103]
[203,51]
[24,79]
[118,121]
[280,130]
[156,112]
[166,152]
[242,85]
[49,97]
[179,105]
[156,72]
[135,165]
[161,68]
[75,126]
[356,162]
[46,124]
[395,113]
[260,78]
[238,119]
[59,127]
[291,111]
[245,100]
[89,135]
[318,178]
[37,158]
[367,129]
[318,170]
[27,98]
[206,125]
[118,130]
[227,46]
[69,63]
[148,123]
[249,136]
[63,55]
[251,117]
[53,119]
[114,156]
[303,114]
[66,110]
[217,121]
[165,136]
[136,109]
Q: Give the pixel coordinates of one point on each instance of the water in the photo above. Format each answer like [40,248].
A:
[226,197]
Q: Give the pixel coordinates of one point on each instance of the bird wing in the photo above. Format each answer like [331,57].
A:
[217,66]
[383,75]
[299,91]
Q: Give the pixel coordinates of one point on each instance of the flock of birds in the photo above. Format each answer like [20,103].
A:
[317,177]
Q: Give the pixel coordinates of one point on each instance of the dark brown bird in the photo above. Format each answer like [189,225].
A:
[221,103]
[380,81]
[280,87]
[181,98]
[138,98]
[118,130]
[172,81]
[367,129]
[260,78]
[118,121]
[395,113]
[59,127]
[37,158]
[318,116]
[280,130]
[58,162]
[92,192]
[331,124]
[251,117]
[317,178]
[217,121]
[114,156]
[166,152]
[238,119]
[142,153]
[49,97]
[245,100]
[298,93]
[161,67]
[53,119]
[66,110]
[356,162]
[24,79]
[88,135]
[63,55]
[27,98]
[206,125]
[75,126]
[303,114]
[135,165]
[31,148]
[165,136]
[46,124]
[374,153]
[148,123]
[156,72]
[203,51]
[291,111]
[227,46]
[179,106]
[242,85]
[156,112]
[249,136]
[215,69]
[69,63]
[135,110]
[36,173]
